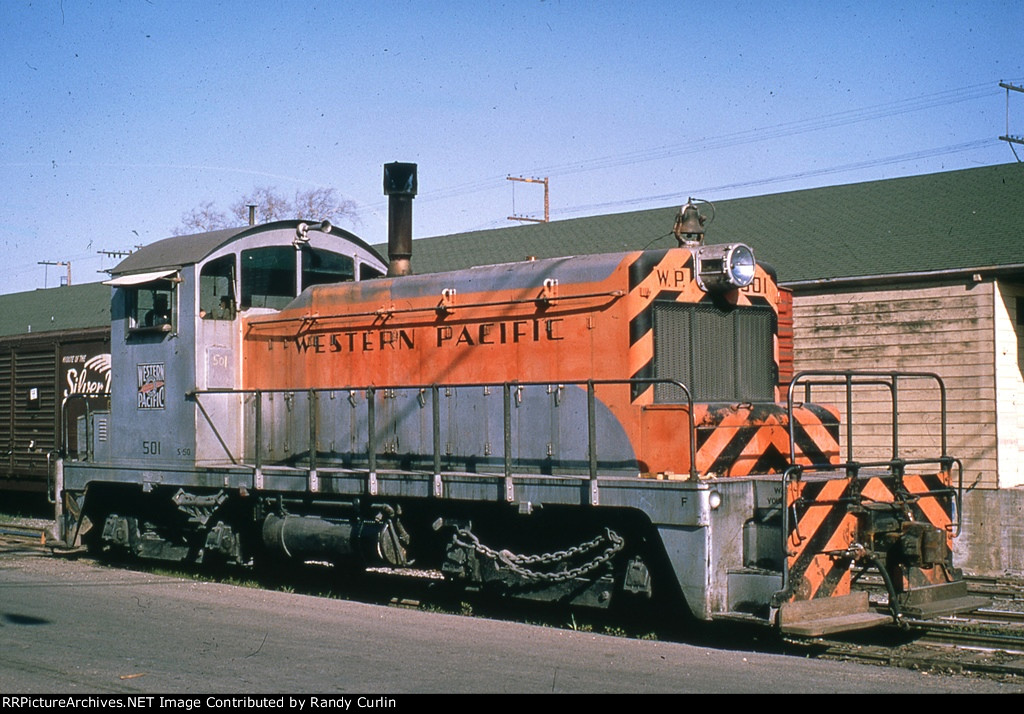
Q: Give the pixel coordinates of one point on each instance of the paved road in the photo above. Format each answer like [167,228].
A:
[75,627]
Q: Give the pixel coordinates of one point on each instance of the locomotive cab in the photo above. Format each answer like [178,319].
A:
[178,312]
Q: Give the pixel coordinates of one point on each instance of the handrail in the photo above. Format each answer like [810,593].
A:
[895,465]
[850,379]
[51,493]
[507,388]
[86,398]
[385,312]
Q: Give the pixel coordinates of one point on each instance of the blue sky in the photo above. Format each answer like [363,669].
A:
[118,116]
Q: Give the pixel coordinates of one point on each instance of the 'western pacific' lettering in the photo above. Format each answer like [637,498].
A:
[361,341]
[499,333]
[445,336]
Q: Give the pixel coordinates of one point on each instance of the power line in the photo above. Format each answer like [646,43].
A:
[871,163]
[828,121]
[748,136]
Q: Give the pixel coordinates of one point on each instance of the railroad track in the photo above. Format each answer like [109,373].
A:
[983,633]
[25,533]
[23,540]
[1000,588]
[988,641]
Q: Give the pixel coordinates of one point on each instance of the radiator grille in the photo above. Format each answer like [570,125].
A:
[721,355]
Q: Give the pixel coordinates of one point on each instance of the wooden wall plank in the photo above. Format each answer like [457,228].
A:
[947,329]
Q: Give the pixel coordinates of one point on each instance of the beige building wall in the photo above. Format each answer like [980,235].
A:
[1009,364]
[945,329]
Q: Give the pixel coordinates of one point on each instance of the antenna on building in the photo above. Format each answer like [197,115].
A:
[1009,138]
[547,203]
[64,281]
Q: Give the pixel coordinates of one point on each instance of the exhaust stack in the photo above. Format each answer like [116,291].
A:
[400,188]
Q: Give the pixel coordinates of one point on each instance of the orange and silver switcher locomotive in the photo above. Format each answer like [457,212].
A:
[602,430]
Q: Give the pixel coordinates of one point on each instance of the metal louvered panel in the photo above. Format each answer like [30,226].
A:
[35,403]
[721,355]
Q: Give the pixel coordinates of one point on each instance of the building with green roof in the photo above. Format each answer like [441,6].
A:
[923,273]
[71,307]
[966,220]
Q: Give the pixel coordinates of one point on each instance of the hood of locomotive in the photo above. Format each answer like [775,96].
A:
[560,322]
[491,323]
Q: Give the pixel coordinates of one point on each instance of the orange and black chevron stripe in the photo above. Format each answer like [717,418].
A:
[664,276]
[930,499]
[752,439]
[824,526]
[650,275]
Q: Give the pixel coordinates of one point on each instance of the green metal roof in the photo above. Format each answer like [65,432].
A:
[956,220]
[72,307]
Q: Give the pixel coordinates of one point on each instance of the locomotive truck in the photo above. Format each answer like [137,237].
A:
[612,430]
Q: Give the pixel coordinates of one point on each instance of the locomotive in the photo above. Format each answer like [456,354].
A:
[613,430]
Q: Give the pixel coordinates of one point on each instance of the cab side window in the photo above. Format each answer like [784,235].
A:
[153,307]
[217,289]
[368,272]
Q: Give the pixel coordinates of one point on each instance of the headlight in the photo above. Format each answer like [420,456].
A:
[725,267]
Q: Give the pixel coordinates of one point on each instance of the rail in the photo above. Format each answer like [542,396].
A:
[850,379]
[510,392]
[443,307]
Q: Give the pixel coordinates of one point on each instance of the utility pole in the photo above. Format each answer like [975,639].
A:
[547,203]
[1009,138]
[56,262]
[118,254]
[115,253]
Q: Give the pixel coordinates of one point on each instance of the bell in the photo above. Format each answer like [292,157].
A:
[689,226]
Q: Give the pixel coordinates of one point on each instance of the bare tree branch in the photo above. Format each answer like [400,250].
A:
[315,204]
[270,206]
[200,219]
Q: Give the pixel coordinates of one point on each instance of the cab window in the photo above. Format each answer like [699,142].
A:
[322,266]
[368,272]
[152,307]
[217,289]
[268,277]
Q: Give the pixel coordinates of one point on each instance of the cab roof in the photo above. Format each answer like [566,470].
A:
[178,251]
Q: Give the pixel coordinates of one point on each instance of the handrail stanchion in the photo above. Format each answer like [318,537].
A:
[312,403]
[849,418]
[435,393]
[507,423]
[895,417]
[592,442]
[371,431]
[435,410]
